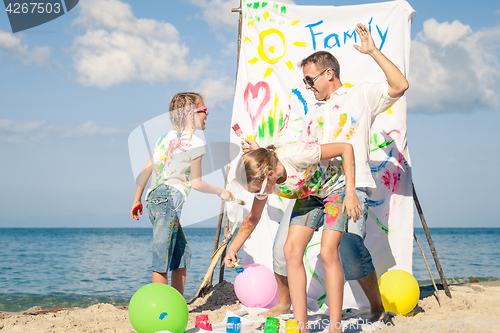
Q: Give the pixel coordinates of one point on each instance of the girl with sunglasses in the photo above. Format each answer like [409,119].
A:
[308,171]
[175,166]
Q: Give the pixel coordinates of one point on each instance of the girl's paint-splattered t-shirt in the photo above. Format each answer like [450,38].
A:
[173,166]
[306,173]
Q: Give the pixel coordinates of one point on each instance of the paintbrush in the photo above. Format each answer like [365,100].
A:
[238,201]
[236,128]
[233,199]
[239,268]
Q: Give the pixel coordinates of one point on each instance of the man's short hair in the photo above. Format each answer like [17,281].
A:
[322,60]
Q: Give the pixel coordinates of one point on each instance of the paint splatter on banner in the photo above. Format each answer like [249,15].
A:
[271,101]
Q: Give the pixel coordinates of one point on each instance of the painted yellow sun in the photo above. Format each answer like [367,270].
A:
[272,46]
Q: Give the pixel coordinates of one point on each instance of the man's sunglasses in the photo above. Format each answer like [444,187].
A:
[203,109]
[310,81]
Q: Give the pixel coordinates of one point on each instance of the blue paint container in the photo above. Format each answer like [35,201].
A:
[233,325]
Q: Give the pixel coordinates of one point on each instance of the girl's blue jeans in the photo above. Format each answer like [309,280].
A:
[170,249]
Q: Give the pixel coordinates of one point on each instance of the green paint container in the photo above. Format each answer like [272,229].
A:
[272,325]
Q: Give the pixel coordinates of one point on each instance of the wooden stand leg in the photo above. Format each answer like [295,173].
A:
[431,244]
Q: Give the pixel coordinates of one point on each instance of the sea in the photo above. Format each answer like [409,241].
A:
[70,267]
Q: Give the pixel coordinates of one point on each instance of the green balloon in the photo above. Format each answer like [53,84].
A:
[158,307]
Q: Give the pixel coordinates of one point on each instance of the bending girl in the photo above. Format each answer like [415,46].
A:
[303,170]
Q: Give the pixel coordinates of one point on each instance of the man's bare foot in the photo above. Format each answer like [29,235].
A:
[277,310]
[377,316]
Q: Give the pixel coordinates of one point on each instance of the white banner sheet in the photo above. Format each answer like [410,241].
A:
[271,101]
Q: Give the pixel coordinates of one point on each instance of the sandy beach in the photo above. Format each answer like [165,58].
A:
[472,308]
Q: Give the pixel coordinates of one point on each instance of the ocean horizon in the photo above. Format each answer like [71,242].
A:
[79,267]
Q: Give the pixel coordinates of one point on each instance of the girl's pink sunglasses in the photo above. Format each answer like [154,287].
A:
[203,109]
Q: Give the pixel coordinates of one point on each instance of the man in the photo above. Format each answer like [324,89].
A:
[345,114]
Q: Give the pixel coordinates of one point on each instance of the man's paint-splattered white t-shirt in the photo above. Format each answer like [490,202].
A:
[173,167]
[347,117]
[306,173]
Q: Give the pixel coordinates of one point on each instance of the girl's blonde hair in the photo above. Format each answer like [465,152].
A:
[181,113]
[181,109]
[254,166]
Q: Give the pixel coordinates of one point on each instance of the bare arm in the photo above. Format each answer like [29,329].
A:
[396,80]
[351,203]
[246,228]
[202,186]
[139,190]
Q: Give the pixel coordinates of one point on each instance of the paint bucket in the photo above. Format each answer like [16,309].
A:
[233,325]
[292,326]
[272,325]
[203,323]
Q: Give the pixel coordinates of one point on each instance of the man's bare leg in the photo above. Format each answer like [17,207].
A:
[369,284]
[284,302]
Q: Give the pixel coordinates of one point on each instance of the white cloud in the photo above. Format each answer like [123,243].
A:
[218,14]
[445,33]
[216,92]
[13,46]
[90,128]
[20,132]
[454,69]
[118,47]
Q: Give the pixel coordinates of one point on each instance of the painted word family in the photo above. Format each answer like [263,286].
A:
[338,39]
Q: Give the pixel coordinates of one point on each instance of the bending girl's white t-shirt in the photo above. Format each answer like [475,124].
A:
[306,173]
[173,166]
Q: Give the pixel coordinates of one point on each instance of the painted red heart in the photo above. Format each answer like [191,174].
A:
[254,91]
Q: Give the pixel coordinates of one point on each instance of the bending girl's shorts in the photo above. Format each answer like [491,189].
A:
[170,249]
[314,212]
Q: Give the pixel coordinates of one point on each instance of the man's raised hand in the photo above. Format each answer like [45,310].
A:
[367,44]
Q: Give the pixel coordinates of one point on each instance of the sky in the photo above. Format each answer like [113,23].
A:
[73,89]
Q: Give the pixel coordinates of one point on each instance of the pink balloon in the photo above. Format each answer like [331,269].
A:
[274,301]
[256,287]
